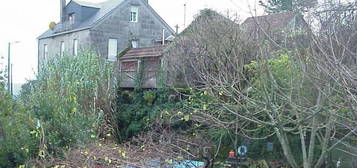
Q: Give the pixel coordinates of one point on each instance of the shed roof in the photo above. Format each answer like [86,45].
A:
[155,51]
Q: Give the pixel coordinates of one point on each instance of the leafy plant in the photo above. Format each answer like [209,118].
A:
[16,142]
[63,108]
[149,97]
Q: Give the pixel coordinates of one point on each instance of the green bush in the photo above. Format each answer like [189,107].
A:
[16,142]
[136,110]
[63,108]
[64,98]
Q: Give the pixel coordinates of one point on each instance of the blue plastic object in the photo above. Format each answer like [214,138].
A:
[189,164]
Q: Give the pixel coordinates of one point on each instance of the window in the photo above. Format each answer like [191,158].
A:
[62,49]
[112,49]
[45,52]
[71,18]
[75,47]
[134,14]
[134,43]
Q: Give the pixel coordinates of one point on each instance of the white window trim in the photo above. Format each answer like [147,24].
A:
[71,18]
[45,51]
[62,48]
[75,47]
[135,43]
[134,10]
[112,52]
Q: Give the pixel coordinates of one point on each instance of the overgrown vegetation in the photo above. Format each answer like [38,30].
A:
[137,110]
[283,101]
[59,110]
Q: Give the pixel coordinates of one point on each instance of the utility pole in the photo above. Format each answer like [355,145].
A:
[163,36]
[177,29]
[184,17]
[12,82]
[8,69]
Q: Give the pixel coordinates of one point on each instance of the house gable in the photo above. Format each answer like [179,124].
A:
[143,4]
[278,29]
[117,25]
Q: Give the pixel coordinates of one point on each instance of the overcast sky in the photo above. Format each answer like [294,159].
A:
[25,20]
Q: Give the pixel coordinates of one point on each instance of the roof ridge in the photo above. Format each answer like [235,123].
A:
[272,15]
[157,46]
[89,4]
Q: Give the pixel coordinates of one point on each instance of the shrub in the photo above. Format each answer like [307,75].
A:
[137,110]
[64,107]
[64,99]
[149,97]
[16,142]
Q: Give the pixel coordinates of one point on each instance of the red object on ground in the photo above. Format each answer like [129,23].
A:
[231,154]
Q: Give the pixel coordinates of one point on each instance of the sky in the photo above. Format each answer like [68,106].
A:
[25,20]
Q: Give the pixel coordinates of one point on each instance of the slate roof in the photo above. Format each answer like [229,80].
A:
[88,4]
[105,9]
[270,22]
[155,51]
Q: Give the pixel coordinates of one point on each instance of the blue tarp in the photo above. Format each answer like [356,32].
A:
[189,164]
[183,164]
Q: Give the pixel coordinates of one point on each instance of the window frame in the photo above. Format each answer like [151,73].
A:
[62,48]
[45,51]
[111,56]
[75,47]
[134,14]
[136,42]
[71,18]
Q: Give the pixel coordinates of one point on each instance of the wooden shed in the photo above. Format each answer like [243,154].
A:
[141,67]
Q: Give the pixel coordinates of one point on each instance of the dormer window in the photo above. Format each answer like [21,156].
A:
[71,18]
[134,14]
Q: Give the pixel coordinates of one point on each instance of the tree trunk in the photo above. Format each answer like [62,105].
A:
[325,143]
[286,147]
[303,147]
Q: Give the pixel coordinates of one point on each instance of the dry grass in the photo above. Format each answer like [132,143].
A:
[139,152]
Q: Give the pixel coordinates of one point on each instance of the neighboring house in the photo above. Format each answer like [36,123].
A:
[209,32]
[107,27]
[280,29]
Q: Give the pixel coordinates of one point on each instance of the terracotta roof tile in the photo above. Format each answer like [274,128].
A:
[155,51]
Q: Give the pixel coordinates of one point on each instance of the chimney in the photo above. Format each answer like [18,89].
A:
[62,10]
[177,29]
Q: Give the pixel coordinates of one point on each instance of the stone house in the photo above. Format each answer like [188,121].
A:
[108,28]
[280,29]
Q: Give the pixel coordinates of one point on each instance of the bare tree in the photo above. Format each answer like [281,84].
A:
[308,92]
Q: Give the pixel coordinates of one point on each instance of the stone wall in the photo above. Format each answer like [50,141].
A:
[116,25]
[147,30]
[54,44]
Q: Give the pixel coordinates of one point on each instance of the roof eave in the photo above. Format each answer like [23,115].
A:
[65,32]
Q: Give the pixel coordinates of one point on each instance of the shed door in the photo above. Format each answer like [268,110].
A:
[129,70]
